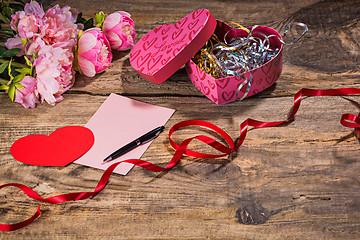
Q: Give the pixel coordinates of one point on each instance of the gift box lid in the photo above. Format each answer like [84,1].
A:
[166,48]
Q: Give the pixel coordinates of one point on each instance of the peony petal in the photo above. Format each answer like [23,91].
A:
[87,42]
[29,84]
[124,13]
[14,42]
[29,101]
[45,94]
[114,39]
[19,97]
[111,21]
[87,67]
[51,84]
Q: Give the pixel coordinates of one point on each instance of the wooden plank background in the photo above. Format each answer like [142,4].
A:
[297,181]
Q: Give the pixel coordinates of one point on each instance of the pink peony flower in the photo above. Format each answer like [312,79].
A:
[28,96]
[27,22]
[94,53]
[28,26]
[55,26]
[54,71]
[119,29]
[59,25]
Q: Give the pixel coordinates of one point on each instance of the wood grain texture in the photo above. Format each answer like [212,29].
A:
[297,181]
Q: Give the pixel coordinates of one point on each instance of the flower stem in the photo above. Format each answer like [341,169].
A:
[15,64]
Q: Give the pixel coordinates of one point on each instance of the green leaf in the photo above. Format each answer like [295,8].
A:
[12,92]
[3,81]
[8,12]
[19,86]
[4,87]
[7,31]
[3,67]
[98,18]
[89,24]
[4,19]
[23,41]
[18,78]
[80,19]
[2,49]
[10,53]
[24,70]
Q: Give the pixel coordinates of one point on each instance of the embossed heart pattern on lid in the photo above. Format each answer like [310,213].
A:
[166,48]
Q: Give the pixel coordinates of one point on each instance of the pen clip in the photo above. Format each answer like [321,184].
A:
[150,139]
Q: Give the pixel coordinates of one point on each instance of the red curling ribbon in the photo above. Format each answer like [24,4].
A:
[351,121]
[348,120]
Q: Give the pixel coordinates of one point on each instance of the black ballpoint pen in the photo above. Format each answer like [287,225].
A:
[137,142]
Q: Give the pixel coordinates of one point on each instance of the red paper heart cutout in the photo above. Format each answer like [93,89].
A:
[60,148]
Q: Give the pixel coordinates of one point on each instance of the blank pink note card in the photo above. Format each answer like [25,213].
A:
[117,122]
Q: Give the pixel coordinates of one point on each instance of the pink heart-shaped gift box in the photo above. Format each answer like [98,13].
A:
[163,50]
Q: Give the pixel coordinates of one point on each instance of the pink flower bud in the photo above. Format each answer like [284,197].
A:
[94,53]
[14,42]
[15,19]
[119,29]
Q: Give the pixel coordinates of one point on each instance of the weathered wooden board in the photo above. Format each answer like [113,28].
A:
[287,178]
[297,181]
